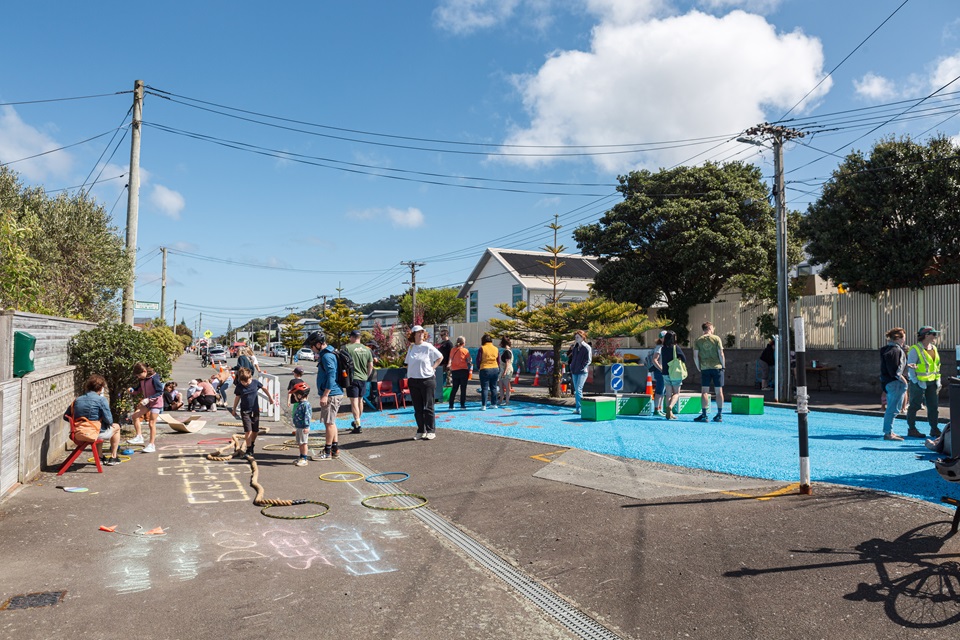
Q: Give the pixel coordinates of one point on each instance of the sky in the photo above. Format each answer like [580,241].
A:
[291,150]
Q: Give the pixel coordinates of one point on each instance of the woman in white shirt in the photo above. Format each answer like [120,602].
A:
[422,361]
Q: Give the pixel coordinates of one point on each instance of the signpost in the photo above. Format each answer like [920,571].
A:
[142,305]
[616,377]
[208,334]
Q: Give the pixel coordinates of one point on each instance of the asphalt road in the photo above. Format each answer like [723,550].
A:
[644,550]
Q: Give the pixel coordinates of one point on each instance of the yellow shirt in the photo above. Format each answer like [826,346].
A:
[488,357]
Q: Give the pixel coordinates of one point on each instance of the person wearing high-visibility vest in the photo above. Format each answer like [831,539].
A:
[923,370]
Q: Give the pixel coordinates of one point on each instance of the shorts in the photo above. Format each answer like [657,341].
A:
[303,436]
[105,433]
[711,376]
[356,389]
[671,387]
[328,412]
[251,421]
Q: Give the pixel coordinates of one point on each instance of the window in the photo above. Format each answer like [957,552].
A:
[517,294]
[474,308]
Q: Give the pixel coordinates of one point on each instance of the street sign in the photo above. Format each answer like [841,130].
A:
[616,377]
[141,305]
[616,384]
[616,370]
[208,334]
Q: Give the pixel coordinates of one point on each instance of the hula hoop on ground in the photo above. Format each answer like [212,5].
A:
[388,473]
[273,446]
[231,423]
[122,458]
[294,503]
[394,495]
[216,441]
[342,473]
[316,442]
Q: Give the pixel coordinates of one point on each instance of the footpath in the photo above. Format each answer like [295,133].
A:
[514,542]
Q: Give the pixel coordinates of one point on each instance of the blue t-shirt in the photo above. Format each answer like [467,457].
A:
[248,395]
[302,415]
[327,373]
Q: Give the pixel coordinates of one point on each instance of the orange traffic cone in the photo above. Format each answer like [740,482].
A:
[649,390]
[516,378]
[536,379]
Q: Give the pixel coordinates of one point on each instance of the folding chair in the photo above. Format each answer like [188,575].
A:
[405,391]
[94,448]
[385,390]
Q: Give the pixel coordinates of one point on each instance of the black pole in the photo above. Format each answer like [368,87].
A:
[802,406]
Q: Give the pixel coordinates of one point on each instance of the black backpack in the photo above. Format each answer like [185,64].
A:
[344,373]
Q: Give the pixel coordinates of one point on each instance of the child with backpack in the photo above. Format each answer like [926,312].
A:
[302,413]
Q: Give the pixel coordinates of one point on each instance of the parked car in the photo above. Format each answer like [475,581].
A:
[280,352]
[218,355]
[305,354]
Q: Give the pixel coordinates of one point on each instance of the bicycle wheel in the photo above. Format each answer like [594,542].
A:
[928,598]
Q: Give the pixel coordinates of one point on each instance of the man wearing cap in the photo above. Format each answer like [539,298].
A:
[330,392]
[444,347]
[923,367]
[362,368]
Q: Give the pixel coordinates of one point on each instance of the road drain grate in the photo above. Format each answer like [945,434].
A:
[33,600]
[569,616]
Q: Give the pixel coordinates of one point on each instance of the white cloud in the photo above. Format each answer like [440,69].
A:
[169,202]
[466,16]
[21,140]
[671,78]
[945,71]
[410,218]
[753,6]
[874,87]
[627,10]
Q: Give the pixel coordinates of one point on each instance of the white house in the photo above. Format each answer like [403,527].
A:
[512,275]
[386,319]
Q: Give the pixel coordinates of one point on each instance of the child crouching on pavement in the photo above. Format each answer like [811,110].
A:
[246,392]
[302,414]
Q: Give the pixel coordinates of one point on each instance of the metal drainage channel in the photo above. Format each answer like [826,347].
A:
[573,619]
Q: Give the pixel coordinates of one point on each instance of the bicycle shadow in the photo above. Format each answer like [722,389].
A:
[925,598]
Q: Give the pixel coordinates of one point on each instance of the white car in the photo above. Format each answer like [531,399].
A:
[305,354]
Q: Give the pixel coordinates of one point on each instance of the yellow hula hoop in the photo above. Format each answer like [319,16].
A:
[121,457]
[394,495]
[359,475]
[274,447]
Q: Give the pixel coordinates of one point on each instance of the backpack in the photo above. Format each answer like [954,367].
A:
[648,360]
[344,372]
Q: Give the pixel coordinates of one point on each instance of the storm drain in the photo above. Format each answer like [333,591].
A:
[33,600]
[553,605]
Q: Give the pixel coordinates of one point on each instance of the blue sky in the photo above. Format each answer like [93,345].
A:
[537,98]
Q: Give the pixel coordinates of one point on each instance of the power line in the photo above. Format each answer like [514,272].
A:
[99,95]
[196,256]
[37,155]
[102,153]
[122,175]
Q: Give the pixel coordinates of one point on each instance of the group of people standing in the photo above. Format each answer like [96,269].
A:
[912,373]
[667,363]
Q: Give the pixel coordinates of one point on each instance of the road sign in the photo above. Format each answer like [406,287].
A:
[616,384]
[616,370]
[208,334]
[141,305]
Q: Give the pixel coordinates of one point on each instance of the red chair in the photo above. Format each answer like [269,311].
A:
[385,389]
[405,391]
[94,448]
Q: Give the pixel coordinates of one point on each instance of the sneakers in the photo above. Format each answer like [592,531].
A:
[112,462]
[913,432]
[657,413]
[718,417]
[354,424]
[429,436]
[149,448]
[323,455]
[418,436]
[935,432]
[335,454]
[301,461]
[356,429]
[136,440]
[701,418]
[483,407]
[451,408]
[893,436]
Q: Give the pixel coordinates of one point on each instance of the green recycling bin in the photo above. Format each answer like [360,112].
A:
[23,347]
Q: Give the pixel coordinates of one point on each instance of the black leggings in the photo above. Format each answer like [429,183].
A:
[421,392]
[459,377]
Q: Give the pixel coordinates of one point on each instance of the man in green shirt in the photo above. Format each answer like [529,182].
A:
[362,368]
[708,356]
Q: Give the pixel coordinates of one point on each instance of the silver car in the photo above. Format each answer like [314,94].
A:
[218,355]
[305,354]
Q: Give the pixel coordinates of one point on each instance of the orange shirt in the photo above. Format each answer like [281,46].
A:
[459,357]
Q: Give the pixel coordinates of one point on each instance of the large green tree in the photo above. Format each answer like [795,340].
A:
[555,324]
[339,321]
[82,263]
[434,306]
[681,236]
[890,219]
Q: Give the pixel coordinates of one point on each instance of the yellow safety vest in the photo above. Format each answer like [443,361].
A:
[928,369]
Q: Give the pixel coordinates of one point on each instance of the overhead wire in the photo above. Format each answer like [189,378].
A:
[67,146]
[102,153]
[98,95]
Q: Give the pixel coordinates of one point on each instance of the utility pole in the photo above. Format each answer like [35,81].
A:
[163,286]
[778,135]
[174,317]
[133,201]
[200,323]
[413,284]
[324,296]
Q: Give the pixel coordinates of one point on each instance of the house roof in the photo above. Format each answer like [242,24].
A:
[524,265]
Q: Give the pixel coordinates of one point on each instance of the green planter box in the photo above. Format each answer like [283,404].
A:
[598,409]
[688,404]
[638,404]
[747,405]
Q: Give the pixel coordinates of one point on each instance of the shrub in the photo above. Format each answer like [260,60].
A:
[111,350]
[165,340]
